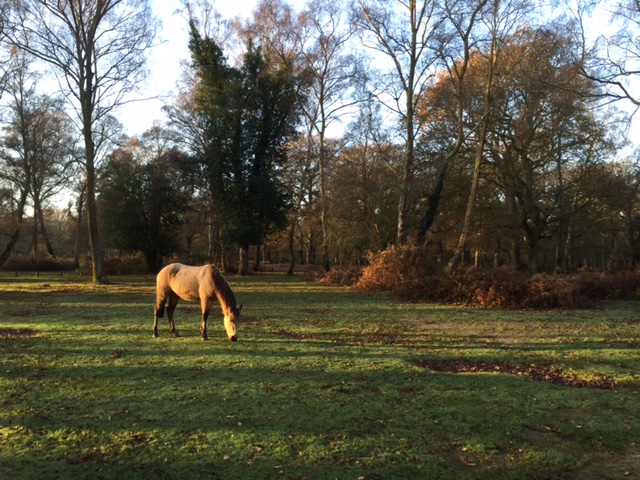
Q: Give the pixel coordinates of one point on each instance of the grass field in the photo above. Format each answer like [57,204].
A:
[323,383]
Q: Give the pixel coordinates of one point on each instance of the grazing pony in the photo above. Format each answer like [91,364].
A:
[177,281]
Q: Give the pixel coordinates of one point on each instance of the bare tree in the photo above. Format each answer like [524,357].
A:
[98,50]
[53,156]
[545,136]
[299,177]
[460,41]
[275,28]
[5,7]
[611,60]
[208,20]
[15,155]
[499,21]
[334,75]
[407,33]
[37,140]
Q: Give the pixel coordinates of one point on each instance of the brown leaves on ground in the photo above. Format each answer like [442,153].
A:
[536,373]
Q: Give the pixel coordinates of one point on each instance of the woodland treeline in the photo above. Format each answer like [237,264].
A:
[484,132]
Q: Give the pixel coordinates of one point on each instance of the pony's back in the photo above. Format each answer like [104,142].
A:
[184,280]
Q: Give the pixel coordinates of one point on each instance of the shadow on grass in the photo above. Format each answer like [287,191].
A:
[322,384]
[304,415]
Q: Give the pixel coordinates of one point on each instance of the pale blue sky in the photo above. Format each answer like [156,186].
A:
[164,61]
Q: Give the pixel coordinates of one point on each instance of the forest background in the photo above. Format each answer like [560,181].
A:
[330,134]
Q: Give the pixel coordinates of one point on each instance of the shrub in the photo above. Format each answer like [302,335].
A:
[121,265]
[579,290]
[554,291]
[400,270]
[191,259]
[405,273]
[387,270]
[494,288]
[126,265]
[29,263]
[341,276]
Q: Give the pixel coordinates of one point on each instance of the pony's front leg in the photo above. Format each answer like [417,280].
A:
[203,325]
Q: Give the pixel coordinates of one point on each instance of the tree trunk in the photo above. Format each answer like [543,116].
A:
[76,253]
[514,252]
[15,235]
[226,260]
[568,253]
[433,204]
[482,138]
[407,175]
[215,248]
[532,238]
[310,251]
[258,262]
[211,237]
[90,158]
[92,220]
[44,233]
[34,233]
[326,263]
[243,260]
[469,213]
[291,235]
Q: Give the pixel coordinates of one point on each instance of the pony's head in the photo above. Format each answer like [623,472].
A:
[230,318]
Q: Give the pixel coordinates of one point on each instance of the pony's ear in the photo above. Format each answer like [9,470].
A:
[240,307]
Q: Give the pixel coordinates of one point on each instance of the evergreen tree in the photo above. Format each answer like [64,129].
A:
[248,115]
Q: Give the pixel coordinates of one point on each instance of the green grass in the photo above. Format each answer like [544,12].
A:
[323,383]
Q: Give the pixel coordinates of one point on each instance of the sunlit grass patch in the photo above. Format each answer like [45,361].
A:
[323,382]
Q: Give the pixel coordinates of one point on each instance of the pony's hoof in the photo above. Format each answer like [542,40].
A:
[155,335]
[176,334]
[205,338]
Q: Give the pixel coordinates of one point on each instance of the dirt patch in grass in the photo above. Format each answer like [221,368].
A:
[350,336]
[17,332]
[281,332]
[250,320]
[532,372]
[324,312]
[117,354]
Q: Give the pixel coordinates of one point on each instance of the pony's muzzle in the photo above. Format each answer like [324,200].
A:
[234,338]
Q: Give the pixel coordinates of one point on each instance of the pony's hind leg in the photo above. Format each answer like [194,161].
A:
[173,301]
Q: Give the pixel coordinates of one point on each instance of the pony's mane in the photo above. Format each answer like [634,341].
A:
[225,294]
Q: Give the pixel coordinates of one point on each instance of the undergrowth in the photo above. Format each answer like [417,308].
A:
[29,263]
[407,275]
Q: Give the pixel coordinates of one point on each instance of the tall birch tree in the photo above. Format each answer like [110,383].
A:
[98,49]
